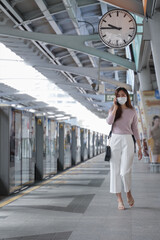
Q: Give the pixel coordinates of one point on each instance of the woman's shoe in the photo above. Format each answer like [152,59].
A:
[130,201]
[120,205]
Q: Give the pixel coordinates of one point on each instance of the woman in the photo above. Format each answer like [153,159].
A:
[155,134]
[123,118]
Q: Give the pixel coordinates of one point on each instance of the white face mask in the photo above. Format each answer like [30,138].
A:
[122,100]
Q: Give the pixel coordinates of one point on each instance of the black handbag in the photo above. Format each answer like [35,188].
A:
[108,149]
[108,154]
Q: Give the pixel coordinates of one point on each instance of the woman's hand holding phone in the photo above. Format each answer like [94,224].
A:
[115,103]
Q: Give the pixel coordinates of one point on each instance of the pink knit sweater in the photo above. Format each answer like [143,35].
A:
[126,124]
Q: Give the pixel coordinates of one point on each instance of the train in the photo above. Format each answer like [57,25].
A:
[33,148]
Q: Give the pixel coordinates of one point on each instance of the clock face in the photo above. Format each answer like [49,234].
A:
[117,28]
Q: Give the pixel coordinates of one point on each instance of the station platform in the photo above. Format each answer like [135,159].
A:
[77,205]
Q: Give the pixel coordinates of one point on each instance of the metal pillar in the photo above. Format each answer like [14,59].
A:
[145,79]
[154,27]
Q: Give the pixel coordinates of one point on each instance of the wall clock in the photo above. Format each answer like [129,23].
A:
[117,28]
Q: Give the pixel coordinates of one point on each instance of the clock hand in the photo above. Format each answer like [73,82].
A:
[110,28]
[114,27]
[107,28]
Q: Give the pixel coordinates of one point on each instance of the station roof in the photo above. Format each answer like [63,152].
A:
[49,36]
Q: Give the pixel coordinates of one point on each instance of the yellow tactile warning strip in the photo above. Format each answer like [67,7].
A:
[6,202]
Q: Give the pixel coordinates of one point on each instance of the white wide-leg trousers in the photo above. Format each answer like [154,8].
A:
[122,153]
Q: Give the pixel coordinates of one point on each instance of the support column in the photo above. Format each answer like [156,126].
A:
[145,79]
[39,172]
[4,151]
[154,27]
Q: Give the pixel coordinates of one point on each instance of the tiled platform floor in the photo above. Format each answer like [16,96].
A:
[77,205]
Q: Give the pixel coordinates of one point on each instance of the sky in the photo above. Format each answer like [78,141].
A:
[15,73]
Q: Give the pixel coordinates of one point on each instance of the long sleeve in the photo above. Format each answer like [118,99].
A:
[126,124]
[110,118]
[134,127]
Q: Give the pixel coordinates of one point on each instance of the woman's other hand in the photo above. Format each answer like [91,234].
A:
[139,149]
[139,154]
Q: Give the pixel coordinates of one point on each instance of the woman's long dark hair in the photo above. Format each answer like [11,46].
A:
[128,103]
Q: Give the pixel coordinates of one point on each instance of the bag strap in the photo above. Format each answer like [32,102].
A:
[109,136]
[110,133]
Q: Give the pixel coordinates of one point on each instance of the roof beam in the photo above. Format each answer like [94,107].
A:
[76,43]
[84,71]
[54,9]
[99,97]
[78,21]
[7,94]
[104,7]
[102,104]
[14,2]
[84,3]
[69,85]
[42,5]
[36,14]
